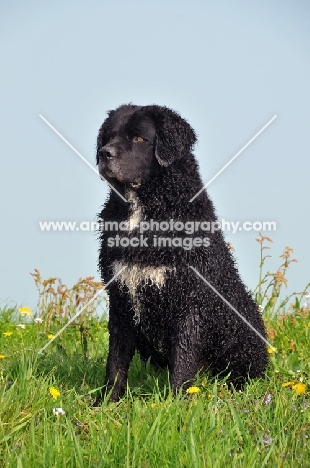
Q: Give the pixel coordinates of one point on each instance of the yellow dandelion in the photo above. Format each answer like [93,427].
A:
[8,333]
[271,350]
[299,388]
[2,356]
[288,384]
[50,336]
[25,311]
[192,390]
[54,392]
[153,405]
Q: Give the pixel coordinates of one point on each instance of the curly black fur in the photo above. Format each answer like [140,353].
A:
[158,305]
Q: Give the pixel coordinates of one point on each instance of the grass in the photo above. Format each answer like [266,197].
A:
[265,425]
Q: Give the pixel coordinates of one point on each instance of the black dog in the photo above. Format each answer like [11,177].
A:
[158,304]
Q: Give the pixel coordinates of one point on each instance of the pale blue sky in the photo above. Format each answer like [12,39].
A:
[226,66]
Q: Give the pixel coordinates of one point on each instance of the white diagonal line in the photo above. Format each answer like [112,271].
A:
[233,158]
[83,308]
[233,308]
[82,157]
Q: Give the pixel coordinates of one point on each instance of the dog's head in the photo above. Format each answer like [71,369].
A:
[135,141]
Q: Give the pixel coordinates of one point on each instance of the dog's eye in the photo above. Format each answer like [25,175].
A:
[138,139]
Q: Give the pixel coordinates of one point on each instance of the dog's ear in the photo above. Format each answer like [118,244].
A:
[174,136]
[101,141]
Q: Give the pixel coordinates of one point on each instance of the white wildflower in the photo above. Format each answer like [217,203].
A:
[58,411]
[267,399]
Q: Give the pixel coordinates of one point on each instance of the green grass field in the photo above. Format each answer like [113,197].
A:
[267,424]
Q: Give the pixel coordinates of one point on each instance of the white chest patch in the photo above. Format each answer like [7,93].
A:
[133,276]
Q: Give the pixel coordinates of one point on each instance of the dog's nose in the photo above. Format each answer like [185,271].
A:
[108,151]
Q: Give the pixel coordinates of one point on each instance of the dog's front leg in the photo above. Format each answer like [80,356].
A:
[184,359]
[183,369]
[122,345]
[121,350]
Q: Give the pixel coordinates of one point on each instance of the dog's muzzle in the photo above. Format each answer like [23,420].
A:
[105,155]
[108,151]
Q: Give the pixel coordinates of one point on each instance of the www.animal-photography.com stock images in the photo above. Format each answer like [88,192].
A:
[155,280]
